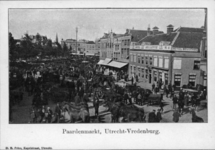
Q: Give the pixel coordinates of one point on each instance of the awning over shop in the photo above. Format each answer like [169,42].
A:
[203,65]
[104,62]
[100,62]
[117,64]
[203,68]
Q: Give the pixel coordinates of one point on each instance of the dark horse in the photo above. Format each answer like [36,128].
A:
[128,113]
[196,118]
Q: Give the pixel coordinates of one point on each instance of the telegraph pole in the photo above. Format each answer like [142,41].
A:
[76,39]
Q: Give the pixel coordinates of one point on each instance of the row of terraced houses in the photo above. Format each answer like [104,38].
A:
[177,56]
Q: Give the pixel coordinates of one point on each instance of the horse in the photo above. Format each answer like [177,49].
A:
[72,113]
[114,110]
[120,110]
[196,118]
[132,113]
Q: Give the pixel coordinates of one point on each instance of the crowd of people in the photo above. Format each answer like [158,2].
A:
[85,81]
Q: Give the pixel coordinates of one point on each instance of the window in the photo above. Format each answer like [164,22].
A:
[160,62]
[146,73]
[150,58]
[160,75]
[205,80]
[142,73]
[166,78]
[139,71]
[135,58]
[150,62]
[155,76]
[177,79]
[177,63]
[138,59]
[155,61]
[132,58]
[146,62]
[134,69]
[142,60]
[128,51]
[166,63]
[192,79]
[196,65]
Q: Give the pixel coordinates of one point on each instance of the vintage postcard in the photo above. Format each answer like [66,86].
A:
[106,75]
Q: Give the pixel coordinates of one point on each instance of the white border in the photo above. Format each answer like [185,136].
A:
[180,136]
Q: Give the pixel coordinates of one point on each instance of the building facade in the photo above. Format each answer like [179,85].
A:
[173,57]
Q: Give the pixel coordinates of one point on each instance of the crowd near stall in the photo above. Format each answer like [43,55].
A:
[75,82]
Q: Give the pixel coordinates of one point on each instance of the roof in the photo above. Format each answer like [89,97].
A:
[70,40]
[90,42]
[155,27]
[156,39]
[188,29]
[100,62]
[170,26]
[188,40]
[138,34]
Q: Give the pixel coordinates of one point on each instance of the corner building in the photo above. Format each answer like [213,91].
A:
[173,57]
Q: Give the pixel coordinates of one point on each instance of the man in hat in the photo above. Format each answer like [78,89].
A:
[58,111]
[152,116]
[176,116]
[159,116]
[175,100]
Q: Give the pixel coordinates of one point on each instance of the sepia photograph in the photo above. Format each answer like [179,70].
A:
[107,66]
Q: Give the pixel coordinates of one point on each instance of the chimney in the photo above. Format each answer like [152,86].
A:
[155,30]
[170,28]
[148,31]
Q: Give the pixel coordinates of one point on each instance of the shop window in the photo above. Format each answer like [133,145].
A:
[196,65]
[192,79]
[155,76]
[166,78]
[177,79]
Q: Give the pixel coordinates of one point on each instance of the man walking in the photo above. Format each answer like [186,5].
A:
[174,99]
[159,116]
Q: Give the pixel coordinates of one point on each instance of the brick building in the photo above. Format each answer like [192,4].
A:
[172,57]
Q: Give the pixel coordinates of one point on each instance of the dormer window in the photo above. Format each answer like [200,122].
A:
[164,43]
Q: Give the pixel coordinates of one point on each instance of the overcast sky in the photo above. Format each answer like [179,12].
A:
[93,23]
